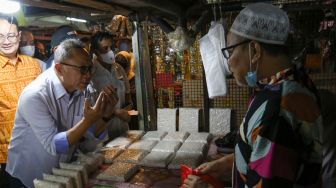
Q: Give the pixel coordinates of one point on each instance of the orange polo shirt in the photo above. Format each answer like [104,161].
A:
[13,78]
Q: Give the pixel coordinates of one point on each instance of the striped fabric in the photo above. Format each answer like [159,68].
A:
[279,141]
[13,78]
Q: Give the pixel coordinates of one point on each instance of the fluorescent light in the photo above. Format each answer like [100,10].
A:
[9,7]
[76,19]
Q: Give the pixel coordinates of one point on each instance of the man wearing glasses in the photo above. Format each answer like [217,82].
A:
[279,140]
[54,113]
[16,71]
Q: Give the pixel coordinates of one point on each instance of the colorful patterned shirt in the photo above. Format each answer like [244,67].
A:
[279,140]
[13,78]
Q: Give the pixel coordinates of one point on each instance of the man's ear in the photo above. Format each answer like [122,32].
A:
[58,68]
[19,36]
[256,51]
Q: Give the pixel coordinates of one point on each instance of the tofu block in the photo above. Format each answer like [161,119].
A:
[69,173]
[68,182]
[199,137]
[220,121]
[46,184]
[146,145]
[189,120]
[167,146]
[119,171]
[131,156]
[176,136]
[110,154]
[157,159]
[119,142]
[193,147]
[81,168]
[166,119]
[190,159]
[154,135]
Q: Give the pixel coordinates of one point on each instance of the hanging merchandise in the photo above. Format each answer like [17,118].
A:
[179,39]
[215,65]
[121,27]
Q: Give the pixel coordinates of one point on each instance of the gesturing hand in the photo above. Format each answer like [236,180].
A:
[92,114]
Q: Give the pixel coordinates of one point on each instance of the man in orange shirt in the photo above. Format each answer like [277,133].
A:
[16,71]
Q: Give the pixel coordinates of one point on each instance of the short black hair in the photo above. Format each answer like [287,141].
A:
[10,19]
[85,39]
[98,37]
[25,29]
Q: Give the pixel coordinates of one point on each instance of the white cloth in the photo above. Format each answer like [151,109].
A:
[215,65]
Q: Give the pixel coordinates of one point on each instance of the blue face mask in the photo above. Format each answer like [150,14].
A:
[251,76]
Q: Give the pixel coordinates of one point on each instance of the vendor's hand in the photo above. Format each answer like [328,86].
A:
[92,114]
[193,181]
[220,169]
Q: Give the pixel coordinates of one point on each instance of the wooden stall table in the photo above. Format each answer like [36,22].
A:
[149,177]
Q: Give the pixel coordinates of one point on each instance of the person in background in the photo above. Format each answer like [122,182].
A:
[54,114]
[126,61]
[40,53]
[27,46]
[62,33]
[109,72]
[16,71]
[87,42]
[279,141]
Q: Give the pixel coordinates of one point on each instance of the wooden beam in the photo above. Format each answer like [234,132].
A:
[92,4]
[56,6]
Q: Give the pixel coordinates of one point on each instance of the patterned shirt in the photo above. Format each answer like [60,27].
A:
[279,140]
[13,78]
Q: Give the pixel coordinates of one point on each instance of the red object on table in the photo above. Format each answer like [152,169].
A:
[186,171]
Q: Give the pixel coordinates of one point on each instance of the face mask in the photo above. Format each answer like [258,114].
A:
[108,57]
[28,50]
[251,76]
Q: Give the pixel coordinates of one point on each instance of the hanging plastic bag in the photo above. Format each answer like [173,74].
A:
[215,65]
[186,171]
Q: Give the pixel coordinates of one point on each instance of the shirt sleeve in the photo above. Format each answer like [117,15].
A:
[34,109]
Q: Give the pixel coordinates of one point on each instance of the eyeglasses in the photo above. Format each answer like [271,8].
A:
[83,69]
[227,53]
[12,38]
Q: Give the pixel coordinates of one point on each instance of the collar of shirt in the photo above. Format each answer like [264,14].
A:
[276,79]
[5,61]
[58,86]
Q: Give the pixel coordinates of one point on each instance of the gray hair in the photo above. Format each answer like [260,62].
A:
[64,50]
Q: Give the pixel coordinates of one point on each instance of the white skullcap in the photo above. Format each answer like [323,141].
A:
[262,22]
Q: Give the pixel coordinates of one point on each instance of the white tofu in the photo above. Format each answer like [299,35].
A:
[81,168]
[166,119]
[69,173]
[193,147]
[46,184]
[189,119]
[154,135]
[167,146]
[68,182]
[157,159]
[176,136]
[199,137]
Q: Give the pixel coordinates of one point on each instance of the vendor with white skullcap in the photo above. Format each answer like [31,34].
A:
[279,140]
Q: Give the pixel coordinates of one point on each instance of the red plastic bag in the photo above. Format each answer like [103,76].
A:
[186,171]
